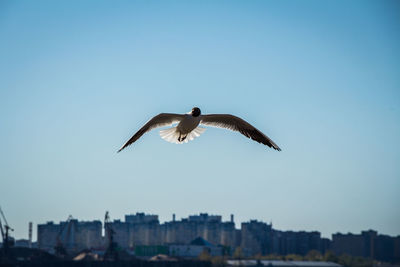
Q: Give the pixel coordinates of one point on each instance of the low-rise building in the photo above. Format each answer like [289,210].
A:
[195,249]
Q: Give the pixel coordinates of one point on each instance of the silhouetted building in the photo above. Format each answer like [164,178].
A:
[47,235]
[325,245]
[353,244]
[290,242]
[22,243]
[384,248]
[256,238]
[72,234]
[211,228]
[396,249]
[140,217]
[368,244]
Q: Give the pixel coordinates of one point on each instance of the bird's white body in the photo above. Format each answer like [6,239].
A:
[173,135]
[185,131]
[187,127]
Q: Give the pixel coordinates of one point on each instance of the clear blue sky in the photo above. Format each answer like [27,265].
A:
[321,78]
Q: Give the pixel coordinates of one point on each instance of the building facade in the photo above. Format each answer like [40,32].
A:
[72,235]
[368,244]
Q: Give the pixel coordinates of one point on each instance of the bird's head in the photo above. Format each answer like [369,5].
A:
[195,112]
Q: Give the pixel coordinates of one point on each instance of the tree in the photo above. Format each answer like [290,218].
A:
[238,254]
[272,257]
[330,256]
[218,261]
[293,257]
[313,255]
[205,255]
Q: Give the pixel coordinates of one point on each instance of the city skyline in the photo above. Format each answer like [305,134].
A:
[173,218]
[321,79]
[253,237]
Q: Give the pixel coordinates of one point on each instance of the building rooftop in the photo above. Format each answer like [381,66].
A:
[199,241]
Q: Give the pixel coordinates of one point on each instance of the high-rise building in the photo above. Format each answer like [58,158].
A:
[72,234]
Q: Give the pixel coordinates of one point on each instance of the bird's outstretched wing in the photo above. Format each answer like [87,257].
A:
[234,123]
[162,119]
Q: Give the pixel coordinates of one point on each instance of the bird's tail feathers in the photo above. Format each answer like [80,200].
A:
[172,135]
[195,133]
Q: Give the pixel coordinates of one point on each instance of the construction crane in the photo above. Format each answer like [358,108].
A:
[59,247]
[7,242]
[111,251]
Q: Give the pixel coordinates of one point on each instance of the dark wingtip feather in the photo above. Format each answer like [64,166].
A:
[122,148]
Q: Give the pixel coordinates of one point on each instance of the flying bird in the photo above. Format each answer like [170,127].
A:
[187,127]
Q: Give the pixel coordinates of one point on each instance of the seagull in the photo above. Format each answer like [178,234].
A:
[187,127]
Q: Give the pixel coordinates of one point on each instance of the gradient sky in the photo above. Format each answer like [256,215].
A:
[321,78]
